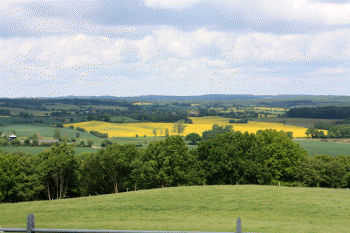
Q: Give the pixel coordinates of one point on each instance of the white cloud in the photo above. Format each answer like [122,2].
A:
[306,10]
[174,4]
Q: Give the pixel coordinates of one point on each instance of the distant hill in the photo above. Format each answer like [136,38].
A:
[184,98]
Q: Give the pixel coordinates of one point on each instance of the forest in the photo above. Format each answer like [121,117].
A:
[265,158]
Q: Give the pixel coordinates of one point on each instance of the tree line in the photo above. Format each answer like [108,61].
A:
[328,112]
[265,158]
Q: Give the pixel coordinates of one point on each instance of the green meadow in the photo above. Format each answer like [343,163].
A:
[197,208]
[318,147]
[37,149]
[302,122]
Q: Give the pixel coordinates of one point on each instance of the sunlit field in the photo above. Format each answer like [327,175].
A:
[200,124]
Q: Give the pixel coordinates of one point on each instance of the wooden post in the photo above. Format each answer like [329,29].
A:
[127,190]
[239,225]
[279,183]
[30,223]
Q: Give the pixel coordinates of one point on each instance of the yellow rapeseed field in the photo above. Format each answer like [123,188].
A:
[200,124]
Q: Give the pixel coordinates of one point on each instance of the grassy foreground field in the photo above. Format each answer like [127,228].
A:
[198,208]
[200,124]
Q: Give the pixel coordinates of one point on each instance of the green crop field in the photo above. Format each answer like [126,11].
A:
[62,106]
[16,111]
[199,208]
[37,149]
[318,147]
[302,122]
[22,131]
[105,107]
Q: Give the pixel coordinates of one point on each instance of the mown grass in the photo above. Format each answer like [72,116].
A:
[198,208]
[318,147]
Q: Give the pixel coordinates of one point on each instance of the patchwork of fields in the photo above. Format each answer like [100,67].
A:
[200,124]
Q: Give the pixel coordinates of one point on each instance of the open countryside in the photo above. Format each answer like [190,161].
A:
[175,115]
[200,124]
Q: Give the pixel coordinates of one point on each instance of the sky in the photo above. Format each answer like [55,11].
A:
[174,47]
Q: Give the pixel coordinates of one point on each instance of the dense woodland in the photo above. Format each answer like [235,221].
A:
[266,158]
[329,112]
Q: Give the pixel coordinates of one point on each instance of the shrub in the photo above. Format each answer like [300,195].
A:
[81,129]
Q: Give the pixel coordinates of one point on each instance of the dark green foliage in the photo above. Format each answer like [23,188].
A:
[90,142]
[167,163]
[242,121]
[109,170]
[326,171]
[57,134]
[329,112]
[24,114]
[216,129]
[249,158]
[193,138]
[106,143]
[99,134]
[5,112]
[57,170]
[15,142]
[26,142]
[10,176]
[290,134]
[71,127]
[81,129]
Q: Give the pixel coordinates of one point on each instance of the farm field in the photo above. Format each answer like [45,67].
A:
[62,106]
[37,149]
[105,107]
[198,208]
[23,130]
[16,111]
[200,124]
[318,147]
[302,122]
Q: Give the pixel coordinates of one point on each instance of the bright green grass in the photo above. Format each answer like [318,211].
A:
[107,107]
[16,111]
[23,130]
[302,122]
[198,208]
[37,149]
[62,106]
[318,147]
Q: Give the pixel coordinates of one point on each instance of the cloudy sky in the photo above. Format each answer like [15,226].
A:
[174,47]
